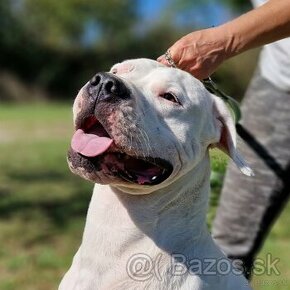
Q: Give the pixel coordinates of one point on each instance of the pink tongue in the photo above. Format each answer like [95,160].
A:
[89,145]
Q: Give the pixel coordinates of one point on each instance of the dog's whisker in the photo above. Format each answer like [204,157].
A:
[143,134]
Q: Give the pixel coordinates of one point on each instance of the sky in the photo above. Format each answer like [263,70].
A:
[209,13]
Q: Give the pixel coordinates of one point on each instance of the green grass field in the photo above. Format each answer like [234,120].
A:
[43,206]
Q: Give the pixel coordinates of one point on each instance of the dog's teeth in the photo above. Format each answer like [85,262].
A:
[129,174]
[153,178]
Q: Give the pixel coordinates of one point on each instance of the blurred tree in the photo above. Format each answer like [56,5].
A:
[237,5]
[64,23]
[42,41]
[58,44]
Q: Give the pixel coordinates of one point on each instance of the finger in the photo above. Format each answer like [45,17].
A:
[162,60]
[175,55]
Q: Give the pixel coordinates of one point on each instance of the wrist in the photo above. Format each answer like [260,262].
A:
[233,41]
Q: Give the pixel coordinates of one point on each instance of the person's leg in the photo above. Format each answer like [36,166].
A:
[249,205]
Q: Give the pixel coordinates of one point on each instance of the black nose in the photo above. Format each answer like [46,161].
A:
[107,87]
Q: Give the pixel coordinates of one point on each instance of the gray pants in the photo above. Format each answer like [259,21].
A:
[249,205]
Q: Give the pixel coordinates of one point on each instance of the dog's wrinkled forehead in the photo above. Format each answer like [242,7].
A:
[137,67]
[146,71]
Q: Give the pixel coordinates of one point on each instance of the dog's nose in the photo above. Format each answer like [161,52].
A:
[106,86]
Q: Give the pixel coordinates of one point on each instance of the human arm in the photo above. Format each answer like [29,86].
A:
[201,52]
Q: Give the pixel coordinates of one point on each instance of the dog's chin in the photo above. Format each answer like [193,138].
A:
[120,169]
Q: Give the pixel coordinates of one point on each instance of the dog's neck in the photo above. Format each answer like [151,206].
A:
[173,217]
[160,225]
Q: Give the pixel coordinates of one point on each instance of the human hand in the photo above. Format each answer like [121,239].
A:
[200,52]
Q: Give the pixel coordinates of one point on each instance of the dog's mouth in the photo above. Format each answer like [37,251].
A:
[93,142]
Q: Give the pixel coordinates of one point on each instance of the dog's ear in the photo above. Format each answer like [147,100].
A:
[226,131]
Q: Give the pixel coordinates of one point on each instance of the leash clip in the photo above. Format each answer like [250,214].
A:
[233,105]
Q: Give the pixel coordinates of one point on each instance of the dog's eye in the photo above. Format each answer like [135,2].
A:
[170,97]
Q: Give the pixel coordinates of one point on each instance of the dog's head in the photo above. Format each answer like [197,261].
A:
[144,124]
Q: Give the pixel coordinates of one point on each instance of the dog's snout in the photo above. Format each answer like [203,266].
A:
[106,86]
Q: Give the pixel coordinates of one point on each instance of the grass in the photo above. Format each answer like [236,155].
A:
[43,206]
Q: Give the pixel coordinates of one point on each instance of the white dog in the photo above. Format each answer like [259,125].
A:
[143,132]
